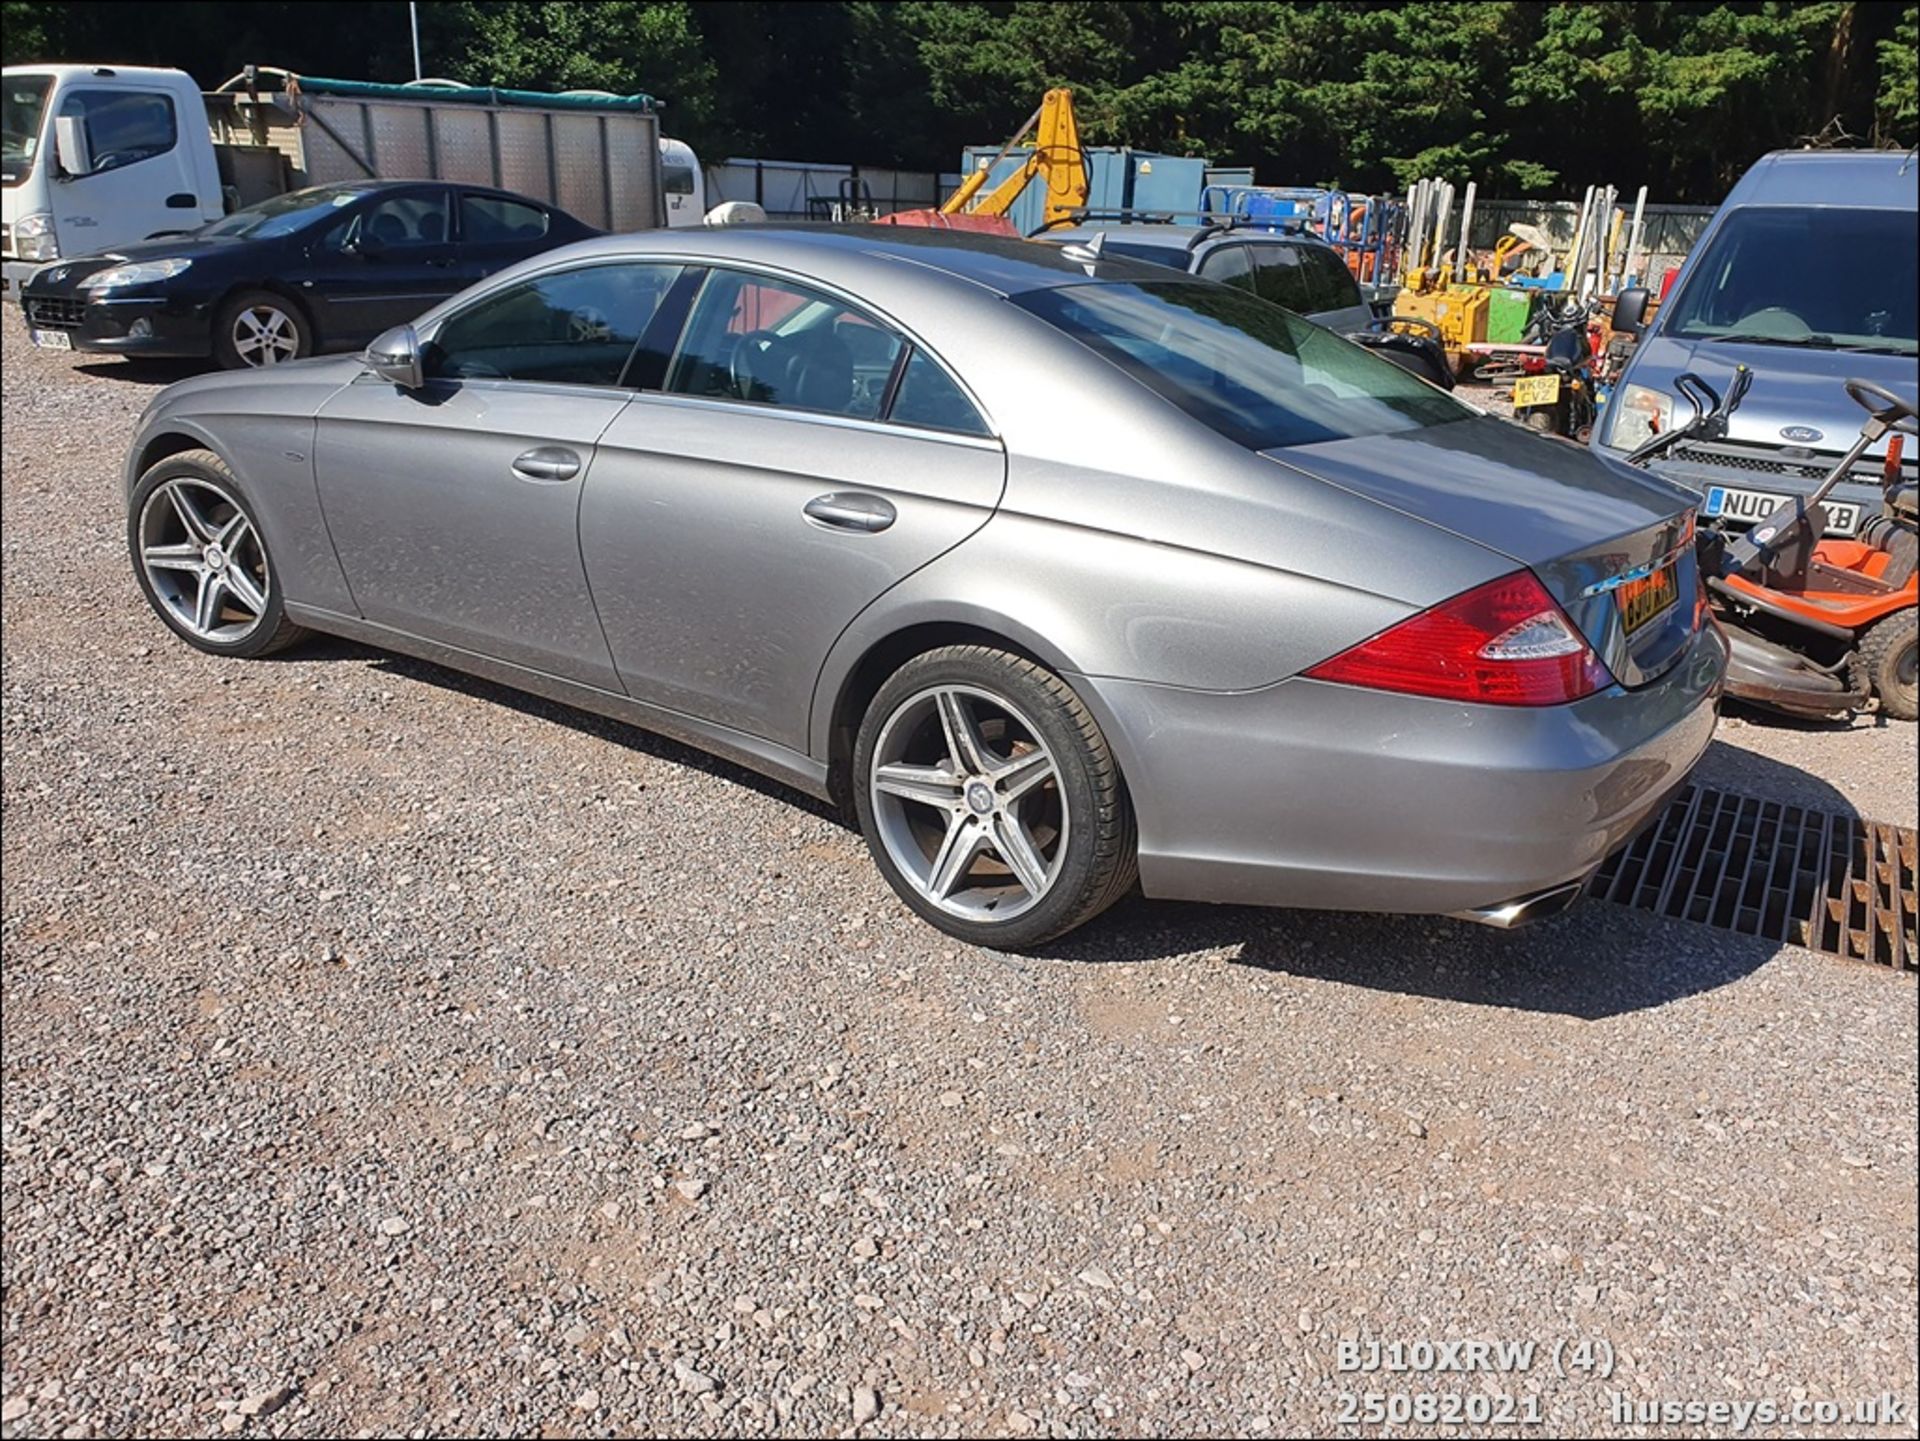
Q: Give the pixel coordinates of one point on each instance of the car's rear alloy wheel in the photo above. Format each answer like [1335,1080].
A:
[201,561]
[990,800]
[259,329]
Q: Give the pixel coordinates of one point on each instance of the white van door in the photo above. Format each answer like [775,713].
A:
[141,183]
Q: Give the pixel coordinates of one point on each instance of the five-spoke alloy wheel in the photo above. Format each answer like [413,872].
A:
[201,561]
[989,798]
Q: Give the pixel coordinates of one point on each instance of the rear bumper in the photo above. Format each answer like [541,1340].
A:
[1328,797]
[126,325]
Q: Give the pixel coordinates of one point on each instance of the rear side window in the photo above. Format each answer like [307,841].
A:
[1257,375]
[123,126]
[928,398]
[569,327]
[492,220]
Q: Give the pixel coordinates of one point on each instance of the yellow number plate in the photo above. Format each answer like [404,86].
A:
[1536,390]
[1641,600]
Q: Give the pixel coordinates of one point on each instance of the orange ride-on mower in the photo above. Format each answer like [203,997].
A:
[1818,626]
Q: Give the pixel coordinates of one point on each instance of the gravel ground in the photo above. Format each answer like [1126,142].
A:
[387,1053]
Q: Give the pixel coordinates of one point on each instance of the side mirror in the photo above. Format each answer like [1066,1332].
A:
[395,356]
[367,247]
[1630,310]
[70,145]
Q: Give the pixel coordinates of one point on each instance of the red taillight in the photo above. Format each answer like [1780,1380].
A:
[1502,643]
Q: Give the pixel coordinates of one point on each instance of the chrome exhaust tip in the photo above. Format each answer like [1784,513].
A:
[1525,910]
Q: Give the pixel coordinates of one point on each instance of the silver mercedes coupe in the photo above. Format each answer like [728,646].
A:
[1060,572]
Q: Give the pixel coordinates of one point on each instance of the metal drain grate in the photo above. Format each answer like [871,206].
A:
[1829,882]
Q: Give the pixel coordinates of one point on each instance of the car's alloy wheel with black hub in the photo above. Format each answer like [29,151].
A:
[259,329]
[990,800]
[201,560]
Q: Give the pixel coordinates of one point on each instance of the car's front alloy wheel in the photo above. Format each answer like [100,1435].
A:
[990,800]
[259,328]
[200,559]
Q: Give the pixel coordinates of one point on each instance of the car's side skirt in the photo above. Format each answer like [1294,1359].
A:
[775,761]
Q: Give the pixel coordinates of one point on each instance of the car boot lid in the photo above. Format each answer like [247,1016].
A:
[1612,546]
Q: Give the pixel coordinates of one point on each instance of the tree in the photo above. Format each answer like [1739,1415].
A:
[1897,104]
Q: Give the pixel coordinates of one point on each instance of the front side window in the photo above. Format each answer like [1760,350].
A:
[1824,278]
[1230,265]
[751,337]
[568,327]
[25,98]
[414,220]
[1280,278]
[495,220]
[123,127]
[1333,286]
[1252,372]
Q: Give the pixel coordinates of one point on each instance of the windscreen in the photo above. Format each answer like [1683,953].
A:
[1257,374]
[284,214]
[1825,279]
[23,98]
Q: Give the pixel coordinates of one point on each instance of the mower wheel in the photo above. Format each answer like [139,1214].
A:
[1886,661]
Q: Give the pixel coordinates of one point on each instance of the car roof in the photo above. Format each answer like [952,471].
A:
[1170,236]
[1003,265]
[1853,179]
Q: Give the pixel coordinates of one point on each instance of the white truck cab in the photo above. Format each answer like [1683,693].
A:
[97,156]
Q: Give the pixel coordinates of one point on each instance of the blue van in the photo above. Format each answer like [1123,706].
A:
[1807,276]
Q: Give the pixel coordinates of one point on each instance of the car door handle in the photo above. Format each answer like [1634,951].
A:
[851,511]
[547,462]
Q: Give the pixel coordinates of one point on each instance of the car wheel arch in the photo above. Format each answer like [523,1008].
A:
[170,442]
[855,672]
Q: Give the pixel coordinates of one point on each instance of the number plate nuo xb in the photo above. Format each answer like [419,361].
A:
[1643,599]
[1727,502]
[1536,390]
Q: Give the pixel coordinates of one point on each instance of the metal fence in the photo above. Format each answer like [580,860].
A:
[805,190]
[1670,231]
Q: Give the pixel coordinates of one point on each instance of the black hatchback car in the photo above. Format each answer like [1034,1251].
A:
[321,269]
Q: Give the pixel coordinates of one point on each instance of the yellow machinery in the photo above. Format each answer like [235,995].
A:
[1470,309]
[1056,154]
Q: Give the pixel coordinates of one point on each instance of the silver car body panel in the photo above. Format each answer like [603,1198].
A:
[720,598]
[1181,581]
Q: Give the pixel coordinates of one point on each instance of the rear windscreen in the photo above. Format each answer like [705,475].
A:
[1257,374]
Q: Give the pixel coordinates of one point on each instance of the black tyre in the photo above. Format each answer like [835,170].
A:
[1886,661]
[990,799]
[201,561]
[258,328]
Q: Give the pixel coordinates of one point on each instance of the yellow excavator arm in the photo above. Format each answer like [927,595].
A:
[1056,153]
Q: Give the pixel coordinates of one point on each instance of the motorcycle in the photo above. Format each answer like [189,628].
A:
[1562,392]
[1817,626]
